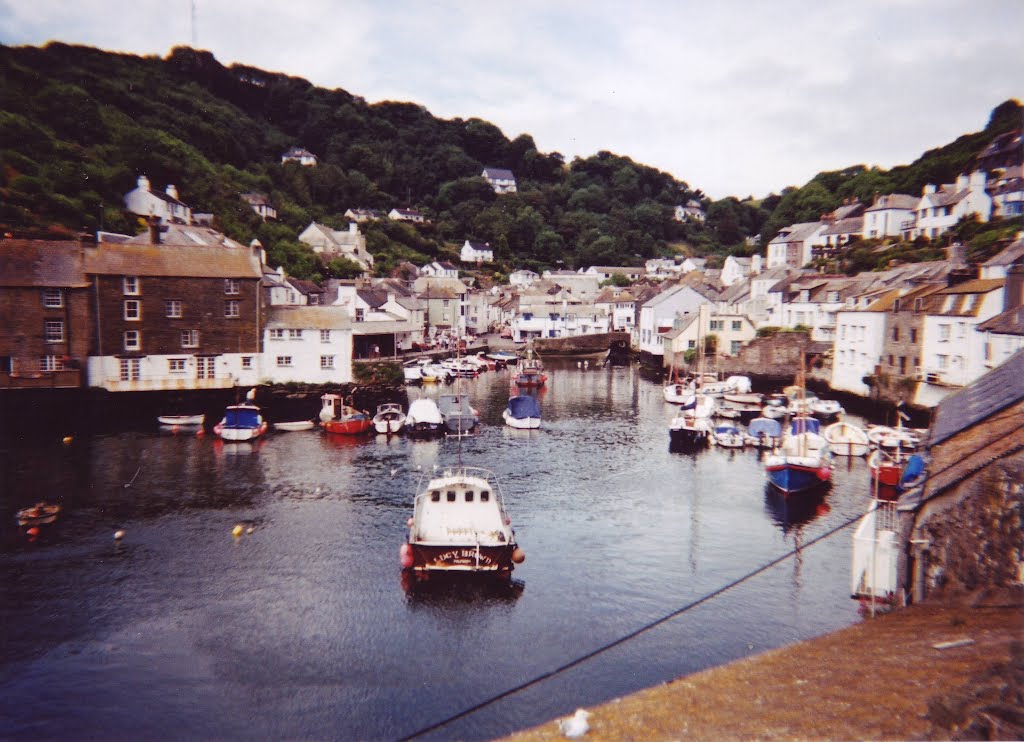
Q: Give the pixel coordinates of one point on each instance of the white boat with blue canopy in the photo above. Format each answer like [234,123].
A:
[764,432]
[522,412]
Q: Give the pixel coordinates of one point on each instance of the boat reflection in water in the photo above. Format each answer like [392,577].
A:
[459,588]
[793,512]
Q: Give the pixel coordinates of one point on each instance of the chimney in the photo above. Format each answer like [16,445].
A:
[154,229]
[172,191]
[962,181]
[930,188]
[1013,290]
[958,276]
[977,180]
[143,183]
[353,228]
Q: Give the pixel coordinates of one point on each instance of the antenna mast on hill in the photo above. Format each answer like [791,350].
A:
[195,26]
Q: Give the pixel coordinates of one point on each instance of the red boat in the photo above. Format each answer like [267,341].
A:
[338,417]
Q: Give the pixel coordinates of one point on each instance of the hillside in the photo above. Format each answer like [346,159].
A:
[77,125]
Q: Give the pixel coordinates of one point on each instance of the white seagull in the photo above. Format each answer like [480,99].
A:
[576,725]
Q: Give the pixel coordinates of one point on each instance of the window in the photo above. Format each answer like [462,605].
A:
[734,347]
[6,365]
[294,334]
[896,334]
[435,496]
[205,367]
[691,344]
[913,334]
[717,324]
[326,362]
[172,308]
[896,305]
[246,361]
[445,303]
[277,333]
[51,363]
[53,331]
[469,495]
[961,330]
[918,305]
[450,495]
[131,285]
[132,310]
[231,308]
[832,297]
[176,365]
[231,286]
[284,360]
[132,340]
[943,333]
[903,365]
[943,362]
[325,336]
[527,315]
[53,298]
[485,496]
[737,324]
[131,369]
[988,351]
[190,338]
[360,314]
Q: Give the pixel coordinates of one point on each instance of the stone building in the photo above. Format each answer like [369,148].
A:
[963,529]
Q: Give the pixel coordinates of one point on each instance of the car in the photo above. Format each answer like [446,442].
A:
[507,333]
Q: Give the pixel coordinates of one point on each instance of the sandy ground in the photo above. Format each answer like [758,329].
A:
[873,680]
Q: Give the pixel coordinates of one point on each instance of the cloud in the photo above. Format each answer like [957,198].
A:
[732,97]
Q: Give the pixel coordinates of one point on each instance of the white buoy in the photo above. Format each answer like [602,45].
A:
[118,535]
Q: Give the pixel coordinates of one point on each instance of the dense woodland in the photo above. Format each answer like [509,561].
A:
[77,125]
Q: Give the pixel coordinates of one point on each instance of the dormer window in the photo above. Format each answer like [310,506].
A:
[805,295]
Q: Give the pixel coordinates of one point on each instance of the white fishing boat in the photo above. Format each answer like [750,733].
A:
[389,418]
[689,432]
[424,419]
[241,422]
[847,439]
[459,524]
[678,392]
[413,372]
[826,409]
[460,417]
[731,385]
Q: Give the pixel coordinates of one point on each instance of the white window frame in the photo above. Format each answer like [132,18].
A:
[53,330]
[190,338]
[295,333]
[325,336]
[132,340]
[277,333]
[131,369]
[172,308]
[176,365]
[231,287]
[130,286]
[326,363]
[53,298]
[284,361]
[247,362]
[132,310]
[51,363]
[232,308]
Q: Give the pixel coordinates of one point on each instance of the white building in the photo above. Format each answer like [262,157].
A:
[585,286]
[605,272]
[793,245]
[166,205]
[857,349]
[522,277]
[350,243]
[476,252]
[302,156]
[259,203]
[736,269]
[952,350]
[558,315]
[406,215]
[659,314]
[943,206]
[500,179]
[620,306]
[887,216]
[439,269]
[310,345]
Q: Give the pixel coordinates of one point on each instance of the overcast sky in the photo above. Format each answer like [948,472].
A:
[735,97]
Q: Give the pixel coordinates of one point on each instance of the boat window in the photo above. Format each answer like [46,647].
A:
[485,496]
[435,496]
[469,495]
[451,495]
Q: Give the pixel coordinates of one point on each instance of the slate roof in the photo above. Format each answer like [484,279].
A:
[1013,253]
[197,261]
[996,390]
[946,195]
[306,317]
[186,235]
[851,225]
[895,201]
[498,173]
[42,263]
[796,232]
[1010,322]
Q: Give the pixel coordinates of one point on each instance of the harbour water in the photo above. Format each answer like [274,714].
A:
[303,626]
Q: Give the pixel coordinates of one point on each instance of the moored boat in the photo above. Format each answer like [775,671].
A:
[42,513]
[803,461]
[531,373]
[764,432]
[522,412]
[424,419]
[181,420]
[292,426]
[459,524]
[241,422]
[389,418]
[337,416]
[826,409]
[459,415]
[728,436]
[847,439]
[689,431]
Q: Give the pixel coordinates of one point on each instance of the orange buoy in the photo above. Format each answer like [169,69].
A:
[32,532]
[405,556]
[518,555]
